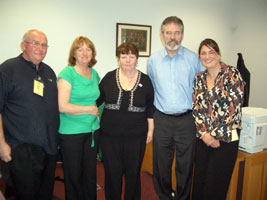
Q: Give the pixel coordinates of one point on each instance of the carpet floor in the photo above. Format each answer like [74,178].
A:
[148,191]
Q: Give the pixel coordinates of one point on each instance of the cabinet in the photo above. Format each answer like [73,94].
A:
[249,178]
[255,176]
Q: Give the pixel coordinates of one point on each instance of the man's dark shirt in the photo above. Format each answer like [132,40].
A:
[28,117]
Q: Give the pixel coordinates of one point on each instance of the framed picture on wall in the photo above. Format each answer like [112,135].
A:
[140,35]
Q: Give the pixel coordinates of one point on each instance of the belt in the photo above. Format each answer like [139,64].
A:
[177,114]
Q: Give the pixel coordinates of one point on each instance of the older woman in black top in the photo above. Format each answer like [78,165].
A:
[126,123]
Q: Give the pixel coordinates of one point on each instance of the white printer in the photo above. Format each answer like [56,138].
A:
[253,136]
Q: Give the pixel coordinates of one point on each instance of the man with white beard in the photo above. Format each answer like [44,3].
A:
[172,71]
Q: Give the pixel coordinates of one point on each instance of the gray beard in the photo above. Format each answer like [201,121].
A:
[172,48]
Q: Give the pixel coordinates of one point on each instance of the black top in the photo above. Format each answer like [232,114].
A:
[28,117]
[246,77]
[125,112]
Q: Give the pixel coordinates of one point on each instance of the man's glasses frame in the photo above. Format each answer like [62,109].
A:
[37,44]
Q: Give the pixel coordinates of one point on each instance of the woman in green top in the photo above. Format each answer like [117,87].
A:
[77,95]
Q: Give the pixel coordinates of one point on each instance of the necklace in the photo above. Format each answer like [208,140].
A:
[131,107]
[128,82]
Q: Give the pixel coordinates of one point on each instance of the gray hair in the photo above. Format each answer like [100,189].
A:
[26,35]
[172,19]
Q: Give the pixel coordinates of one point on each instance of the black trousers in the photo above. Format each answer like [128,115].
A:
[173,134]
[122,157]
[31,172]
[79,165]
[213,170]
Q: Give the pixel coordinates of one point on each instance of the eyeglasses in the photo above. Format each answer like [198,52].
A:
[37,44]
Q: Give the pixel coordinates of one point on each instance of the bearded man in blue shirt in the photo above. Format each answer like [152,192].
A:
[172,71]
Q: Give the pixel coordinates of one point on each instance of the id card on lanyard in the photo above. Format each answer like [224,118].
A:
[38,86]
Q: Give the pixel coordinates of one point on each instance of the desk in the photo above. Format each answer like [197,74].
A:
[249,178]
[255,176]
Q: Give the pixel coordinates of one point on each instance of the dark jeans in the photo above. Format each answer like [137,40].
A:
[173,134]
[79,165]
[31,172]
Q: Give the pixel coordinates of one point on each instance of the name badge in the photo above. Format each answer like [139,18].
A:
[38,87]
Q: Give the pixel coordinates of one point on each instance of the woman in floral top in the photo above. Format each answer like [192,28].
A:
[217,98]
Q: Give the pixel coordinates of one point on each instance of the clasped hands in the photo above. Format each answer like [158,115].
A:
[210,141]
[94,111]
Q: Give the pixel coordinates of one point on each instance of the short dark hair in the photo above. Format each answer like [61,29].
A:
[172,19]
[77,43]
[126,48]
[209,43]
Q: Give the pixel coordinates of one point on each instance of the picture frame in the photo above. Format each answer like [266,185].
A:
[139,35]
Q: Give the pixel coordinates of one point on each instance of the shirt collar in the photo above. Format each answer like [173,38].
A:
[220,73]
[180,52]
[30,63]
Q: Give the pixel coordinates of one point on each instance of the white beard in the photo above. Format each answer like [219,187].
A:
[172,48]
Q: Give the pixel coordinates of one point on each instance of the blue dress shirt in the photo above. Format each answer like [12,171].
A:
[173,78]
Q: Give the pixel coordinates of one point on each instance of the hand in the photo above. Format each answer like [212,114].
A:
[210,141]
[149,136]
[93,111]
[5,152]
[215,144]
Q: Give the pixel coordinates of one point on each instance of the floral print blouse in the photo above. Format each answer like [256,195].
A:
[218,111]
